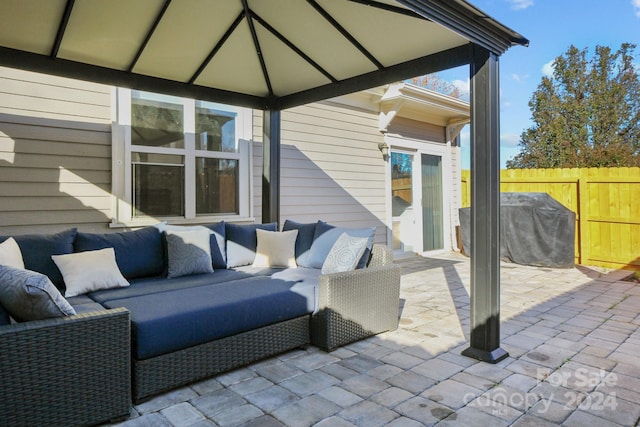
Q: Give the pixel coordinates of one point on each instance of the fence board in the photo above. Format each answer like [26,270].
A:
[606,202]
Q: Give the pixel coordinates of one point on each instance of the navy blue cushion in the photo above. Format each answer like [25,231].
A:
[152,285]
[306,232]
[169,321]
[37,250]
[84,304]
[242,242]
[138,253]
[326,236]
[218,246]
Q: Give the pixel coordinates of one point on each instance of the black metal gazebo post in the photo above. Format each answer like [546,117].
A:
[271,166]
[485,208]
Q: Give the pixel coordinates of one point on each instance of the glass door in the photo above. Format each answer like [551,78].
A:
[402,198]
[432,203]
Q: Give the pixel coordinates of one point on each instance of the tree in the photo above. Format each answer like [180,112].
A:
[587,114]
[437,84]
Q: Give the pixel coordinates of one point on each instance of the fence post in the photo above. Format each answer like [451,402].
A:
[583,215]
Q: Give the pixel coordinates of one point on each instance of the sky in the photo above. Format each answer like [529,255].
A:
[551,26]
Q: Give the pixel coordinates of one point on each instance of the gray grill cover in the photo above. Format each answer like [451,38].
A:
[535,229]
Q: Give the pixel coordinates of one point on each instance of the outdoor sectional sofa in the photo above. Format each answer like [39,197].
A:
[158,308]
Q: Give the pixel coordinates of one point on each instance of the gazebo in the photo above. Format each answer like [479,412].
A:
[277,54]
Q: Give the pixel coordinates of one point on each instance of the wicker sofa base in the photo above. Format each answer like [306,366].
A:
[356,305]
[162,373]
[71,371]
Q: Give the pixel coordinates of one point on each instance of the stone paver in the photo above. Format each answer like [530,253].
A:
[573,337]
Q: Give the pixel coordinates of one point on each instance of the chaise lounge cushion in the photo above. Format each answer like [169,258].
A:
[169,321]
[158,284]
[37,250]
[139,253]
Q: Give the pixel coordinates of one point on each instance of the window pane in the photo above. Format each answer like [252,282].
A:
[217,186]
[156,123]
[215,129]
[158,185]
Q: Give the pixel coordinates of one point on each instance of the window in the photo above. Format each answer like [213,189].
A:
[179,159]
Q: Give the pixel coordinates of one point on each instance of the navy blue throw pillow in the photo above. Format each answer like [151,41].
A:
[139,253]
[218,246]
[304,240]
[37,250]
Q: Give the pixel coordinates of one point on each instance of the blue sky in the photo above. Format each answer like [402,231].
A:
[551,27]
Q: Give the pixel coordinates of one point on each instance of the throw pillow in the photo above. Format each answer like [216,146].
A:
[242,242]
[327,235]
[90,271]
[344,254]
[10,254]
[218,245]
[188,252]
[37,250]
[28,295]
[139,253]
[276,249]
[304,240]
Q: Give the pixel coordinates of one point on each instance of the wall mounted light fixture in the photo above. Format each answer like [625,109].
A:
[384,149]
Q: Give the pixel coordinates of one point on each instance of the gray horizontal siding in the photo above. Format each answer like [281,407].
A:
[55,153]
[331,167]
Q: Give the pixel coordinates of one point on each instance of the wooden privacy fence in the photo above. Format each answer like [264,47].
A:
[606,202]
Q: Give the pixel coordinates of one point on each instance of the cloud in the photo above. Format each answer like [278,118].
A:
[547,69]
[519,78]
[523,4]
[509,140]
[464,87]
[636,7]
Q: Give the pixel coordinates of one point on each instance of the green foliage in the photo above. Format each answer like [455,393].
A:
[587,114]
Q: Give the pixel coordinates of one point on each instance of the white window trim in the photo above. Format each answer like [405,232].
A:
[121,165]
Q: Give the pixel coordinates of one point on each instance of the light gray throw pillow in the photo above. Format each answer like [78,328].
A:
[28,295]
[188,252]
[345,254]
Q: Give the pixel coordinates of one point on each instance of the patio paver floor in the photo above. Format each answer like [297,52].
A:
[574,359]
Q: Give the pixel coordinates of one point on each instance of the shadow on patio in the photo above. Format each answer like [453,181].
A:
[572,336]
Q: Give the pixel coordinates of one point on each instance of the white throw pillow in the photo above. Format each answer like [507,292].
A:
[188,252]
[344,254]
[276,248]
[89,271]
[10,254]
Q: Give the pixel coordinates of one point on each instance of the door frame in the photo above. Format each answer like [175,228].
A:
[417,148]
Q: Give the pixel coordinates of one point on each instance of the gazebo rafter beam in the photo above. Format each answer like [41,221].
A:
[293,47]
[57,42]
[217,47]
[346,34]
[152,30]
[252,28]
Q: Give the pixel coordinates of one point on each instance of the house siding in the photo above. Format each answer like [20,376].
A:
[56,159]
[331,170]
[55,153]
